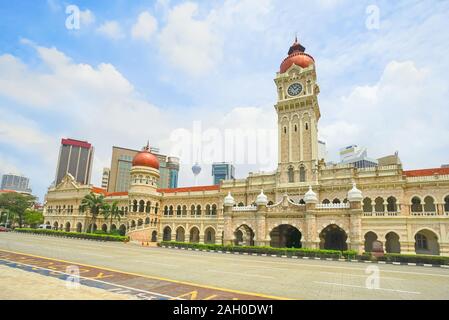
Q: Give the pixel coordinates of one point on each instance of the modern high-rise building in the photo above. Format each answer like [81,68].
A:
[15,182]
[356,156]
[121,163]
[222,171]
[105,178]
[75,157]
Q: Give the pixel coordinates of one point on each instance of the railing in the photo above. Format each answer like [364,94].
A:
[248,208]
[429,178]
[424,213]
[381,214]
[196,216]
[332,206]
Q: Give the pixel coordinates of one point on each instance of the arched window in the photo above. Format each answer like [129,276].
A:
[135,206]
[141,206]
[214,209]
[307,126]
[336,201]
[302,201]
[178,210]
[391,204]
[270,203]
[302,174]
[421,242]
[192,210]
[367,206]
[416,204]
[156,208]
[429,204]
[184,210]
[291,175]
[326,201]
[165,211]
[241,204]
[148,207]
[446,204]
[296,128]
[198,210]
[379,204]
[170,211]
[285,130]
[208,210]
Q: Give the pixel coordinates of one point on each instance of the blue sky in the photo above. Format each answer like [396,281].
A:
[143,69]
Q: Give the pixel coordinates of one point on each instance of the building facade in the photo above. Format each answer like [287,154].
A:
[15,182]
[121,164]
[75,158]
[303,203]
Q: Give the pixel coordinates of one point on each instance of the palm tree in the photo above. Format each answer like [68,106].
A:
[113,212]
[95,204]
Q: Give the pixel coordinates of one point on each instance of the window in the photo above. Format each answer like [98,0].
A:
[178,210]
[296,128]
[421,241]
[285,130]
[291,175]
[141,206]
[302,174]
[135,206]
[165,211]
[416,205]
[307,126]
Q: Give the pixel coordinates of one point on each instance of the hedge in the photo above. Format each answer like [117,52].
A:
[299,252]
[78,235]
[412,258]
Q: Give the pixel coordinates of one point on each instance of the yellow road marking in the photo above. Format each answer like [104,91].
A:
[155,278]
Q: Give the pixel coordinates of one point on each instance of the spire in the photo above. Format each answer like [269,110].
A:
[147,147]
[296,46]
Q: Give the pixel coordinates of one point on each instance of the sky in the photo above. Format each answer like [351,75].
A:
[196,80]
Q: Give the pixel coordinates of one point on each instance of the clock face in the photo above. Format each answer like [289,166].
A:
[294,89]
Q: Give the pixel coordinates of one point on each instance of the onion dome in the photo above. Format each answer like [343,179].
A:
[146,159]
[310,196]
[296,55]
[261,199]
[355,195]
[229,200]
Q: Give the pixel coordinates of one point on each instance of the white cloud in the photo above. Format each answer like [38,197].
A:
[188,41]
[112,30]
[145,27]
[87,17]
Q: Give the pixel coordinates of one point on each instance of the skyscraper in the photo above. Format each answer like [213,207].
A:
[222,171]
[75,157]
[15,182]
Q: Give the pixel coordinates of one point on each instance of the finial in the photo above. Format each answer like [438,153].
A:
[296,37]
[147,147]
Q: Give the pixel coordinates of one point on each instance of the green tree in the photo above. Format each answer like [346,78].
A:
[16,204]
[33,218]
[113,212]
[95,204]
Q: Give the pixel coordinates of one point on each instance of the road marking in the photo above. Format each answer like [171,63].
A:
[156,278]
[362,287]
[360,275]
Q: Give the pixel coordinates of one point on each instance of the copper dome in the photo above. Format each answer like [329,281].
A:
[146,159]
[296,55]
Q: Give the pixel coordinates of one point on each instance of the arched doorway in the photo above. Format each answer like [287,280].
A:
[426,242]
[79,227]
[122,230]
[194,235]
[209,236]
[154,236]
[244,236]
[370,237]
[180,234]
[113,228]
[167,234]
[55,225]
[333,238]
[104,227]
[67,227]
[392,244]
[285,236]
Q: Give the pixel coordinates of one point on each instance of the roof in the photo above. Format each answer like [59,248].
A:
[190,189]
[76,143]
[426,172]
[108,194]
[7,191]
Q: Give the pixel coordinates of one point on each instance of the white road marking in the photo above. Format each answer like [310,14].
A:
[362,287]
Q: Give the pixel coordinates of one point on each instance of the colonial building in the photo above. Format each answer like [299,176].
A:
[304,203]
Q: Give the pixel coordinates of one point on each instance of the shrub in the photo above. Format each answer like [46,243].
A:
[418,258]
[78,235]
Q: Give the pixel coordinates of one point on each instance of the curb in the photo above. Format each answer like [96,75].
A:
[316,258]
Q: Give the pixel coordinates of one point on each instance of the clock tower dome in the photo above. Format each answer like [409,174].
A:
[298,114]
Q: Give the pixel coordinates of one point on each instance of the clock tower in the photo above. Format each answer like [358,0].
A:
[298,114]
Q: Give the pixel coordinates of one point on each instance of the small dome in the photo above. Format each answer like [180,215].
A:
[355,195]
[146,159]
[229,200]
[296,55]
[261,199]
[310,196]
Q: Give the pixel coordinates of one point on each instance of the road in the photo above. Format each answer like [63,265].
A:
[239,275]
